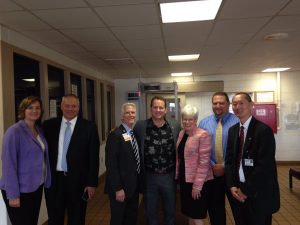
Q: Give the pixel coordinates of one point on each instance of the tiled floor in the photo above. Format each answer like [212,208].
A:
[289,213]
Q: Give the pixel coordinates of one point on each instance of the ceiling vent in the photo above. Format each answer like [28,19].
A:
[119,61]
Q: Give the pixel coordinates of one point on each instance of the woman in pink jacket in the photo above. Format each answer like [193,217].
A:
[193,168]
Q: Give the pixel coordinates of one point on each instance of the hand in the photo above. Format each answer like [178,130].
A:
[14,202]
[120,195]
[218,170]
[91,191]
[238,194]
[196,194]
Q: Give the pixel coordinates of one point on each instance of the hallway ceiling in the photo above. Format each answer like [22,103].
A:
[126,38]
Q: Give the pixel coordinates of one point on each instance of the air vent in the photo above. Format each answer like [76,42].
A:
[275,36]
[119,61]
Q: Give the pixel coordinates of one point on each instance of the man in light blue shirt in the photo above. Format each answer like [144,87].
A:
[220,107]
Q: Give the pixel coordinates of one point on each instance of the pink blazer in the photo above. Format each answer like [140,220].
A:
[197,153]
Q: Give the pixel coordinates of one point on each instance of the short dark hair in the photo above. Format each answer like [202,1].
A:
[247,96]
[25,103]
[158,98]
[220,93]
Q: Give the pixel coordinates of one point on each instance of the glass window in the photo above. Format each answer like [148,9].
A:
[109,111]
[102,112]
[26,78]
[76,89]
[90,100]
[56,90]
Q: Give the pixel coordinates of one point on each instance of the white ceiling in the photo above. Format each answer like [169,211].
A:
[125,38]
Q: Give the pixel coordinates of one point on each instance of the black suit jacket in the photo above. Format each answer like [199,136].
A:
[121,166]
[82,155]
[261,185]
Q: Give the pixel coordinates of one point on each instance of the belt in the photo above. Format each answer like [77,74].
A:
[62,173]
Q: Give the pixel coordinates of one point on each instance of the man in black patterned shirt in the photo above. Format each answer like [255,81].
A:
[157,139]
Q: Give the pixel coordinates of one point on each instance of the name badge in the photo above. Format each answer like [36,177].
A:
[248,162]
[126,137]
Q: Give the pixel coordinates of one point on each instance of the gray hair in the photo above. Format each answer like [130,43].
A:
[190,110]
[125,105]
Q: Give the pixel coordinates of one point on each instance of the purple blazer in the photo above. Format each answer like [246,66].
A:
[22,161]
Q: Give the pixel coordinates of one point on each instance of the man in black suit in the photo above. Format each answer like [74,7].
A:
[123,170]
[250,166]
[74,159]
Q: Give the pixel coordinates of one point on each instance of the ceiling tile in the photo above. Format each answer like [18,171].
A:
[7,5]
[46,36]
[145,44]
[137,32]
[249,9]
[70,18]
[235,31]
[53,4]
[96,46]
[129,15]
[117,2]
[292,8]
[88,35]
[21,20]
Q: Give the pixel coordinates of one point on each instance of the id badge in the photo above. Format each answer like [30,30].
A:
[126,137]
[248,162]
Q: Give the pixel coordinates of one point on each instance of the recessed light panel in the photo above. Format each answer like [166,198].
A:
[175,12]
[279,69]
[185,74]
[179,58]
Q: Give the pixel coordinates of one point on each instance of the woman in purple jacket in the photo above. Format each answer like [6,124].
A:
[25,165]
[193,168]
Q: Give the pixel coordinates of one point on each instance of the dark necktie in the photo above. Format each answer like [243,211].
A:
[135,151]
[241,145]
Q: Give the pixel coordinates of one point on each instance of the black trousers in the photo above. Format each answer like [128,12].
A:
[124,213]
[28,212]
[64,197]
[245,214]
[216,207]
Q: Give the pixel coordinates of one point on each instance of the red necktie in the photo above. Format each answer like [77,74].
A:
[241,144]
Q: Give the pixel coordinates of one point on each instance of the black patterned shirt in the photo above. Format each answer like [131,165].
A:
[159,148]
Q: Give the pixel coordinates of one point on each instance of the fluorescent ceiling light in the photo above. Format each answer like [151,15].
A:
[269,70]
[189,11]
[29,79]
[178,58]
[181,74]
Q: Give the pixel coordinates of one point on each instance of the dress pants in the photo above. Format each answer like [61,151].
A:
[245,214]
[124,213]
[28,212]
[216,207]
[160,186]
[63,196]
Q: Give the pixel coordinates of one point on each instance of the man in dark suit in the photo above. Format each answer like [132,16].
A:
[74,160]
[123,170]
[250,166]
[157,139]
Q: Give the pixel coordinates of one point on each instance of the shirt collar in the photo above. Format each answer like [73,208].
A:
[246,124]
[224,118]
[72,121]
[126,128]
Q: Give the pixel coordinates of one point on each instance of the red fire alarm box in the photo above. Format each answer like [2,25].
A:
[267,114]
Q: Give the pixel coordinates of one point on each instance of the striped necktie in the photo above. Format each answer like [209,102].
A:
[218,143]
[67,138]
[135,151]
